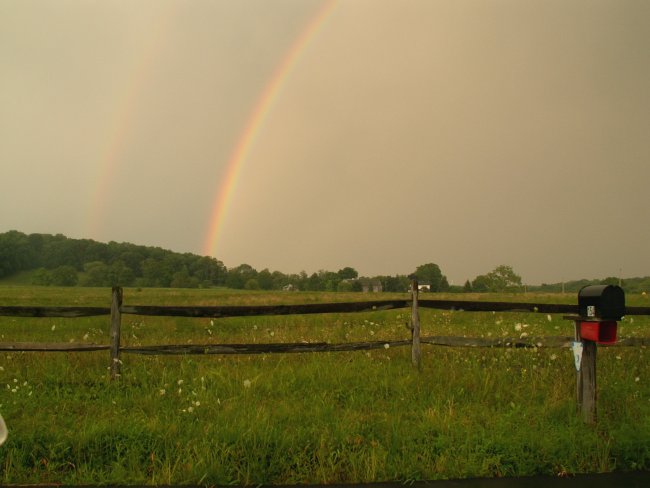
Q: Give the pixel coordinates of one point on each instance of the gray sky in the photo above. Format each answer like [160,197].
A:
[465,133]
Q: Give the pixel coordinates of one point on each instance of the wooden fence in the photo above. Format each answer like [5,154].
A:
[117,308]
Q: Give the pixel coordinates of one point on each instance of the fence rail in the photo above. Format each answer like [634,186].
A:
[315,308]
[586,381]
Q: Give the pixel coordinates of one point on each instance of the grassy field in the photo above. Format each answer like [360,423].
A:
[309,418]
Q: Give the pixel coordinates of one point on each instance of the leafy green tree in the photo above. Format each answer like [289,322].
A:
[152,273]
[42,277]
[344,286]
[65,276]
[356,285]
[265,279]
[481,284]
[500,279]
[182,279]
[238,276]
[252,284]
[612,280]
[347,273]
[209,271]
[280,280]
[467,287]
[16,253]
[503,278]
[315,283]
[430,273]
[96,274]
[119,274]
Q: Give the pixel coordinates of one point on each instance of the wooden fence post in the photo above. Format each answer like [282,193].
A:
[416,353]
[586,397]
[588,381]
[116,322]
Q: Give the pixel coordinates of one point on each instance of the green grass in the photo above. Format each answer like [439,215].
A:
[308,418]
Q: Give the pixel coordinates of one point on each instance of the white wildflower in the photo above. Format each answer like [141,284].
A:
[247,383]
[523,334]
[179,382]
[162,391]
[386,346]
[549,318]
[517,327]
[637,379]
[553,357]
[53,327]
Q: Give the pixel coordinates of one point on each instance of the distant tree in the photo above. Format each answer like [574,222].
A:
[182,279]
[16,253]
[500,279]
[356,285]
[119,274]
[347,273]
[444,284]
[280,280]
[315,283]
[252,284]
[467,287]
[265,279]
[238,276]
[344,286]
[42,277]
[612,280]
[503,278]
[96,274]
[481,284]
[430,273]
[208,270]
[64,276]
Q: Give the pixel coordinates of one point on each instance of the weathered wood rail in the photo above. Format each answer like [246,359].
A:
[118,308]
[586,377]
[315,308]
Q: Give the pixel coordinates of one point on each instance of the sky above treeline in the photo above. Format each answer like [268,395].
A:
[309,134]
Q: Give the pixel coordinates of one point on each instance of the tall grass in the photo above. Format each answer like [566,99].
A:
[311,418]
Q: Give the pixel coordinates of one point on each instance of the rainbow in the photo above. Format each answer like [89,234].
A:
[258,117]
[121,123]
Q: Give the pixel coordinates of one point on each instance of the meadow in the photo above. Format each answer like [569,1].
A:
[309,418]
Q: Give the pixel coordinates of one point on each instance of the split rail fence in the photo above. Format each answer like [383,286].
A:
[586,381]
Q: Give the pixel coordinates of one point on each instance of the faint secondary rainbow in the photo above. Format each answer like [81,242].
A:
[122,120]
[258,117]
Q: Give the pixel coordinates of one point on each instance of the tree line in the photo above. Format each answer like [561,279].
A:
[62,261]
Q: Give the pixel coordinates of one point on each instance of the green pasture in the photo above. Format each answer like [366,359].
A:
[309,418]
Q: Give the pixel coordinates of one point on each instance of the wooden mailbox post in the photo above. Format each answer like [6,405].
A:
[599,309]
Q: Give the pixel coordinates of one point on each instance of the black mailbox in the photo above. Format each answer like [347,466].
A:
[601,302]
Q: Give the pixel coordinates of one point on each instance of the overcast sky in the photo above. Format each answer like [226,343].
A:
[465,133]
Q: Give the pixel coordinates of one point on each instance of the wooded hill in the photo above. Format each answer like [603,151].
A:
[62,261]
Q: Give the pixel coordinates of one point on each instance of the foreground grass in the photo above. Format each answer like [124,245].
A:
[326,418]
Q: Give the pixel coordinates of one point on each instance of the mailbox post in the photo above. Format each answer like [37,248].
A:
[600,307]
